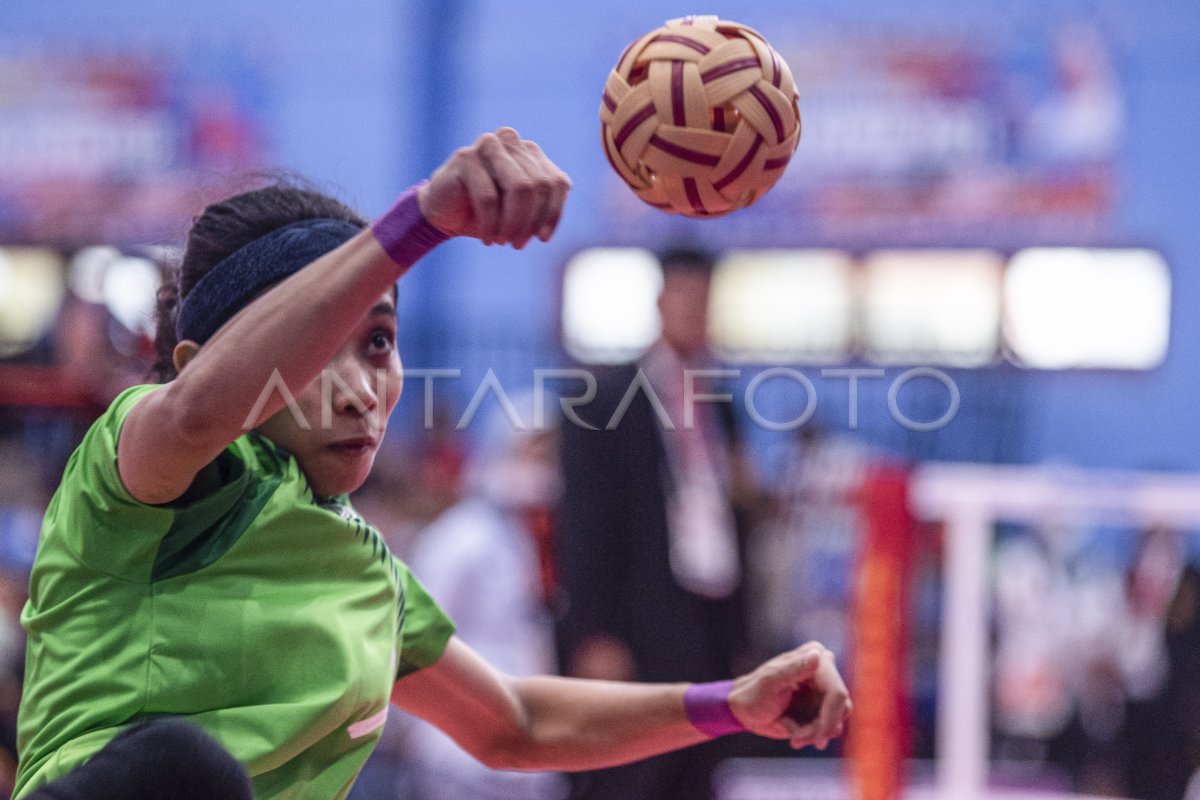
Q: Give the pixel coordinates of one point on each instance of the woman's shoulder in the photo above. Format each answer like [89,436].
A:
[94,463]
[124,402]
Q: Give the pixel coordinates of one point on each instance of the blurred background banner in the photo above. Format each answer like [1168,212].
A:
[116,144]
[936,132]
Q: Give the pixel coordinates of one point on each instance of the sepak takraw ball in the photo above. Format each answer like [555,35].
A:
[700,117]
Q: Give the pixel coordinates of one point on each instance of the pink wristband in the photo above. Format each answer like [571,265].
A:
[404,233]
[707,707]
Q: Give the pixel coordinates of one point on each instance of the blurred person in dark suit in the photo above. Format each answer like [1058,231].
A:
[650,534]
[1162,728]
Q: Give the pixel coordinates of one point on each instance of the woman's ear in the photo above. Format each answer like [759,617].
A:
[184,352]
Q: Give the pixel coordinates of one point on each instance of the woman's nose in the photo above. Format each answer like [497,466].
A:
[353,390]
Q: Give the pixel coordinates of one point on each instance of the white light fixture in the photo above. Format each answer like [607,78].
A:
[88,268]
[610,304]
[789,306]
[1087,308]
[130,291]
[31,291]
[932,306]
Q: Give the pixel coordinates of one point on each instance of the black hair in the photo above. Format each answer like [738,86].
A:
[224,228]
[687,259]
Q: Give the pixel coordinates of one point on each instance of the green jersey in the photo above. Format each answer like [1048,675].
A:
[275,620]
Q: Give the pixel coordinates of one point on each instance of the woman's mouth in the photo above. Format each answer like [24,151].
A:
[354,448]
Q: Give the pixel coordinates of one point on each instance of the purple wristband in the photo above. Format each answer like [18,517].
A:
[404,233]
[707,707]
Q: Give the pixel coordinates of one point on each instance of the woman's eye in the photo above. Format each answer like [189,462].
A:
[381,342]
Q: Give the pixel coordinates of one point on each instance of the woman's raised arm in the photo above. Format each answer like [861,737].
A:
[501,190]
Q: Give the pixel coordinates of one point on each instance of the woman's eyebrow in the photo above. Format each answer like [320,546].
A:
[383,308]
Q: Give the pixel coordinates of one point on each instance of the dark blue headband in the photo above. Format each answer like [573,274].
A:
[229,286]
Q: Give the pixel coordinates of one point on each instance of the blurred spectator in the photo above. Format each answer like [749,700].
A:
[1163,729]
[650,541]
[1063,644]
[442,462]
[89,357]
[1097,665]
[803,554]
[23,499]
[413,482]
[481,560]
[419,477]
[397,498]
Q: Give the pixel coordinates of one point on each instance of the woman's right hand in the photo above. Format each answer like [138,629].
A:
[764,700]
[500,190]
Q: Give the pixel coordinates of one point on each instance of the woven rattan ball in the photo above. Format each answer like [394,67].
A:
[700,117]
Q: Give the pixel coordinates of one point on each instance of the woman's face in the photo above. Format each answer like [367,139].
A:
[337,423]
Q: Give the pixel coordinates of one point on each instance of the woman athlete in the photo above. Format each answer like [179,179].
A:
[208,615]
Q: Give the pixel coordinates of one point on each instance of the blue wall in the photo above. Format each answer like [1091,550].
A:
[555,60]
[365,96]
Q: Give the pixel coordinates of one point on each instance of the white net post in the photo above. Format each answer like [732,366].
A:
[963,660]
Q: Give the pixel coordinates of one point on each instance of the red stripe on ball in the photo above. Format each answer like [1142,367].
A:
[770,109]
[683,40]
[687,154]
[677,112]
[729,67]
[737,171]
[693,195]
[638,118]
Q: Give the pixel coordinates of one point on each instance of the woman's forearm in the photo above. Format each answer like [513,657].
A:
[544,722]
[568,724]
[574,724]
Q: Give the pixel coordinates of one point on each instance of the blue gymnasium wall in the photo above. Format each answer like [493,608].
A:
[555,58]
[366,96]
